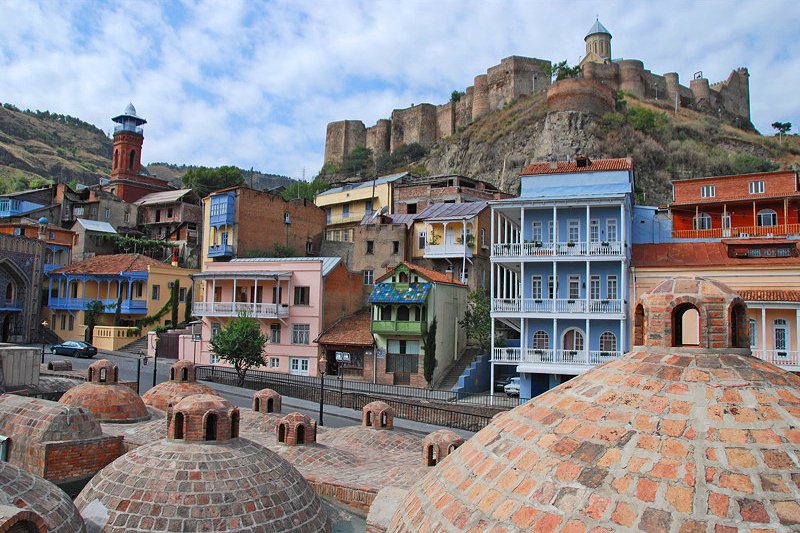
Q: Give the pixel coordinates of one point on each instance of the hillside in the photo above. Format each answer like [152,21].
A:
[252,178]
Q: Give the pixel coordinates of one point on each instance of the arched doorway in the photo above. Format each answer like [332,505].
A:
[572,342]
[685,325]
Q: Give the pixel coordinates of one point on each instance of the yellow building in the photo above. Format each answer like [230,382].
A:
[143,283]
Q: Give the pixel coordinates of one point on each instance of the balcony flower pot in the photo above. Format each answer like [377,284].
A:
[604,302]
[605,243]
[538,352]
[571,244]
[537,244]
[570,301]
[537,301]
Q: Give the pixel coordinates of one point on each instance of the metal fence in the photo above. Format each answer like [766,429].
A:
[445,408]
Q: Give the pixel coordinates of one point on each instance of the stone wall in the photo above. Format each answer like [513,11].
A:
[21,273]
[580,94]
[416,124]
[341,137]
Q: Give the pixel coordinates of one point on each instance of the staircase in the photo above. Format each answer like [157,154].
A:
[451,378]
[136,347]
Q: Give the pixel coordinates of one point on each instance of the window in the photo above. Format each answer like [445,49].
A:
[386,312]
[611,288]
[301,295]
[573,230]
[156,292]
[52,236]
[274,362]
[550,287]
[756,187]
[275,333]
[574,287]
[541,340]
[767,217]
[19,232]
[781,337]
[753,333]
[107,213]
[309,247]
[277,294]
[369,278]
[611,230]
[368,207]
[422,237]
[402,356]
[327,215]
[126,216]
[94,210]
[64,321]
[214,329]
[701,221]
[298,366]
[301,333]
[182,294]
[169,212]
[78,211]
[536,231]
[608,342]
[551,231]
[594,230]
[370,247]
[395,247]
[594,288]
[536,287]
[708,191]
[726,222]
[345,210]
[411,209]
[483,238]
[71,322]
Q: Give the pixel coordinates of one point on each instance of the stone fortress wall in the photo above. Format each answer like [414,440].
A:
[518,76]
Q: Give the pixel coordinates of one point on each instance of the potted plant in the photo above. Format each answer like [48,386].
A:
[571,243]
[434,240]
[537,244]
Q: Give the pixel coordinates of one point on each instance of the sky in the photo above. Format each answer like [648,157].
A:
[254,84]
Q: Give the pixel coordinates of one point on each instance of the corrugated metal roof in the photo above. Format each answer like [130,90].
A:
[328,263]
[362,184]
[161,197]
[598,27]
[385,293]
[253,274]
[95,225]
[445,211]
[406,219]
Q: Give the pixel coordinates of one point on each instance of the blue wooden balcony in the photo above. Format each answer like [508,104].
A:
[220,250]
[129,307]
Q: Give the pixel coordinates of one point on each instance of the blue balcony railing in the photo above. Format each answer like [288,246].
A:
[220,250]
[128,307]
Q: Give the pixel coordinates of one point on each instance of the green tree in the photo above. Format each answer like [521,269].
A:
[307,190]
[562,70]
[477,322]
[782,127]
[429,361]
[240,343]
[118,310]
[94,309]
[173,296]
[456,96]
[205,180]
[357,160]
[187,312]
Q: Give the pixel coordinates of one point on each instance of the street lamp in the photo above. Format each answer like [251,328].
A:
[155,357]
[44,327]
[322,367]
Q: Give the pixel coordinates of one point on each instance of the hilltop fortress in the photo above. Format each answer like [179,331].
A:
[516,76]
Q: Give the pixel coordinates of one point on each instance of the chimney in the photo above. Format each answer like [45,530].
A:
[553,165]
[450,274]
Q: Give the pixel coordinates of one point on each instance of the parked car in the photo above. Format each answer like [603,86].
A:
[501,382]
[512,389]
[74,348]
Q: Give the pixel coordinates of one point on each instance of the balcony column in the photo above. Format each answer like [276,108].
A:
[554,295]
[621,345]
[521,225]
[764,332]
[588,225]
[755,222]
[587,342]
[213,293]
[622,226]
[491,240]
[797,330]
[83,289]
[523,339]
[587,284]
[129,289]
[556,344]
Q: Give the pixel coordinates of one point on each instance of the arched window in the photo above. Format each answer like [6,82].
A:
[116,374]
[753,333]
[402,278]
[541,340]
[573,340]
[702,221]
[430,457]
[781,334]
[386,312]
[178,426]
[281,432]
[767,217]
[185,374]
[369,418]
[103,372]
[608,342]
[257,405]
[638,326]
[131,159]
[235,424]
[301,434]
[402,313]
[685,325]
[270,406]
[172,374]
[10,292]
[211,426]
[384,420]
[738,323]
[116,159]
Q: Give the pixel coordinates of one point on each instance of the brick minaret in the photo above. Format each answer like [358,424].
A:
[128,139]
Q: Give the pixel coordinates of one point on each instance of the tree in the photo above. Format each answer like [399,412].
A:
[360,158]
[118,310]
[562,70]
[240,343]
[782,127]
[187,311]
[204,180]
[477,322]
[173,296]
[456,96]
[305,190]
[429,361]
[94,309]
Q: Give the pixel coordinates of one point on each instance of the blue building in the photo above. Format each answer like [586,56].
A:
[559,276]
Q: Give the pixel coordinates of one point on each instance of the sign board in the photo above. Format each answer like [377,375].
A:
[197,337]
[381,353]
[343,357]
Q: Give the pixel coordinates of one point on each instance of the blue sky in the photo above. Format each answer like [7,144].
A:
[254,84]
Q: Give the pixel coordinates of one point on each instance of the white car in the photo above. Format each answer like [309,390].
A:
[512,389]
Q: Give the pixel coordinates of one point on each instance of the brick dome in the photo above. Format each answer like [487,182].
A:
[181,384]
[104,397]
[267,401]
[377,415]
[661,439]
[195,483]
[438,445]
[28,500]
[296,428]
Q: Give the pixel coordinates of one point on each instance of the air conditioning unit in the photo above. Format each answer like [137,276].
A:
[744,235]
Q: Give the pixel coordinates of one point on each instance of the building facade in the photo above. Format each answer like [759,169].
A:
[559,283]
[21,274]
[58,241]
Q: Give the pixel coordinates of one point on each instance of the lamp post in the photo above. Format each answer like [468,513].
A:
[155,357]
[322,367]
[44,327]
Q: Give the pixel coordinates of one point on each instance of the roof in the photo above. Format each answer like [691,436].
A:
[427,273]
[697,254]
[20,193]
[353,330]
[770,296]
[385,293]
[597,27]
[110,264]
[729,199]
[570,167]
[445,211]
[162,197]
[407,219]
[94,225]
[328,263]
[360,185]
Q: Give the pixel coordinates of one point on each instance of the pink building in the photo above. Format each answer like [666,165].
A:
[294,300]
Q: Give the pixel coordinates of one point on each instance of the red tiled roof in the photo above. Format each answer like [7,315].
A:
[770,296]
[564,167]
[353,330]
[697,254]
[432,275]
[110,264]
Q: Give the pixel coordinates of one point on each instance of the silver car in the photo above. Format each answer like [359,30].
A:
[512,389]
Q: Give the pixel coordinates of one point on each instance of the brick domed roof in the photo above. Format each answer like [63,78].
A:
[181,384]
[25,497]
[662,439]
[204,484]
[105,397]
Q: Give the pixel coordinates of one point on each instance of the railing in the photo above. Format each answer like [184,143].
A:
[11,305]
[736,232]
[530,305]
[779,357]
[556,357]
[220,250]
[441,407]
[114,338]
[124,127]
[433,251]
[535,249]
[256,310]
[397,326]
[130,307]
[49,267]
[341,219]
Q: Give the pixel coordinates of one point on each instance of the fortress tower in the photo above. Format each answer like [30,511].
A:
[598,44]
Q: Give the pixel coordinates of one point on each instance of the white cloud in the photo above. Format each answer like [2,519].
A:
[254,84]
